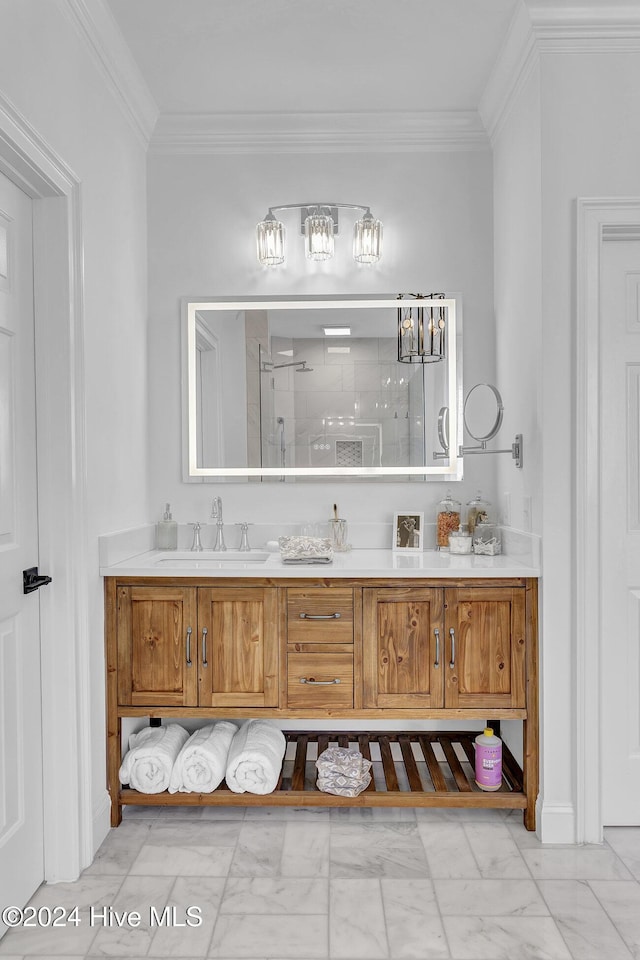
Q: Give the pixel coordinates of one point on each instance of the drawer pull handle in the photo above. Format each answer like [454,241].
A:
[437,660]
[319,683]
[452,634]
[320,616]
[204,647]
[189,646]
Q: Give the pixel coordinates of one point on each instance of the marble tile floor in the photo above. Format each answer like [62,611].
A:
[349,884]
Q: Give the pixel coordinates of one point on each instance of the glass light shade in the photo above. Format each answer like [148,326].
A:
[270,242]
[318,233]
[367,240]
[421,334]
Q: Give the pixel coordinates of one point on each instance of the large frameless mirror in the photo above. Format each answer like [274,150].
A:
[311,387]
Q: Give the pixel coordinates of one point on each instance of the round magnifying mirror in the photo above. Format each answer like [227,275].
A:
[443,428]
[483,412]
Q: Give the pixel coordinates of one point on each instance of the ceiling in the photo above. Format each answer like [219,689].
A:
[255,56]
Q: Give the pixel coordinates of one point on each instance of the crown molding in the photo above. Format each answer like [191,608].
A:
[548,27]
[597,20]
[114,59]
[279,133]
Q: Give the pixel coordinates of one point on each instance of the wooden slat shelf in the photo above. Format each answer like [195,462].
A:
[425,769]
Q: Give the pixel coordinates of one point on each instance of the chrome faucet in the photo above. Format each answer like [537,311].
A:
[244,537]
[216,514]
[196,545]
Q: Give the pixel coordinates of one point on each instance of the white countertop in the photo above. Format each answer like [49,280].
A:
[354,563]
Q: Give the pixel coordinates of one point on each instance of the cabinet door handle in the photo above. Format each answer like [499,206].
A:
[452,634]
[319,683]
[320,616]
[437,660]
[189,646]
[204,647]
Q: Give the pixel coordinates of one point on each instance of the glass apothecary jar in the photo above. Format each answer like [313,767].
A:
[460,541]
[477,512]
[448,519]
[487,539]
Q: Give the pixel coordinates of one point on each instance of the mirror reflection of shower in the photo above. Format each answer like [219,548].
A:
[360,408]
[283,444]
[267,366]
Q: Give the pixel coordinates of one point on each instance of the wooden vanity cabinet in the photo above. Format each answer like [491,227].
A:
[183,646]
[444,647]
[238,647]
[367,648]
[403,651]
[157,645]
[320,648]
[484,647]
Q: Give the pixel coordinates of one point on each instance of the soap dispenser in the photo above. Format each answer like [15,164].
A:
[167,531]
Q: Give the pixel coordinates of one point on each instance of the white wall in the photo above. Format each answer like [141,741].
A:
[571,133]
[591,147]
[47,72]
[518,311]
[437,215]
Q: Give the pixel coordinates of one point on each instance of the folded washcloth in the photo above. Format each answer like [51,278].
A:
[152,753]
[255,757]
[343,772]
[300,549]
[202,762]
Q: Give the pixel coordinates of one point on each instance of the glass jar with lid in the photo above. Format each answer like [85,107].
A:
[487,539]
[477,512]
[448,519]
[460,541]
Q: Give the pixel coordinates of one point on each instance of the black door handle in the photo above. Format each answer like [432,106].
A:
[31,581]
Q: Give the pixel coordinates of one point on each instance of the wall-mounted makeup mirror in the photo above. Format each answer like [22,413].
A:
[310,387]
[483,414]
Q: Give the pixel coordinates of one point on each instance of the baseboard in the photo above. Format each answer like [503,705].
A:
[557,823]
[101,824]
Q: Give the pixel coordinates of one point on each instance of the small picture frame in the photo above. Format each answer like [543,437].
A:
[408,532]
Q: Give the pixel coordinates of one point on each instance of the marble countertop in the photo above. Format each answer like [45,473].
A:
[354,563]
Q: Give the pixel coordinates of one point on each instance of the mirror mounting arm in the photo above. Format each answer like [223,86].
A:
[515,450]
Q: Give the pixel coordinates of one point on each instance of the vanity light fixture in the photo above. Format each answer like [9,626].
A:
[421,330]
[318,225]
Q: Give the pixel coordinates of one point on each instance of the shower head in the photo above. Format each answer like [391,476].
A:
[300,365]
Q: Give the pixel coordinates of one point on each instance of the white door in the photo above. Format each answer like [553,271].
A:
[21,805]
[620,530]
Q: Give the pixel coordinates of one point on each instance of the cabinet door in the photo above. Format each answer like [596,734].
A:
[485,647]
[238,646]
[156,646]
[403,647]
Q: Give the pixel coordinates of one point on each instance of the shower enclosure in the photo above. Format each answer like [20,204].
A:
[340,404]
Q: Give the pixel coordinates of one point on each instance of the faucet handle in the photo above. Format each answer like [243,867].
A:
[196,545]
[244,536]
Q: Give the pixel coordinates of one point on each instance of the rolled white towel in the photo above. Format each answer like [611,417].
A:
[152,753]
[202,762]
[255,757]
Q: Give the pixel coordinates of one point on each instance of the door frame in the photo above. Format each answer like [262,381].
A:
[599,219]
[30,163]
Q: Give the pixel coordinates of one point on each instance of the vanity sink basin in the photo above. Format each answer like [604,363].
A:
[209,558]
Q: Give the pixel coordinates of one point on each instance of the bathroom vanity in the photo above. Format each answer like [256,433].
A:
[372,637]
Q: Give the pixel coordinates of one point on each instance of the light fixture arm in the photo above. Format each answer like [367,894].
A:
[319,206]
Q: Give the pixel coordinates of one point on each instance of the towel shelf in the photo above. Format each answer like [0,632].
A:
[413,769]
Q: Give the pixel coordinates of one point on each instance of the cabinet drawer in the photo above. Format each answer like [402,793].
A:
[329,680]
[320,616]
